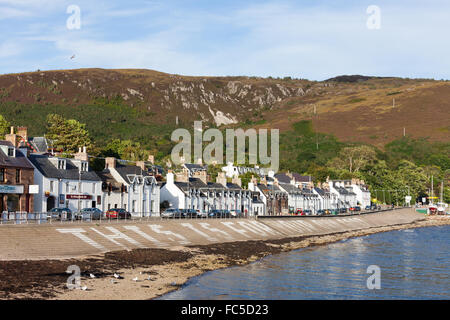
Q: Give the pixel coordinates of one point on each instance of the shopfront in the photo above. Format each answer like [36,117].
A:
[13,199]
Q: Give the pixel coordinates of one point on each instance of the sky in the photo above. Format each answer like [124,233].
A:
[310,39]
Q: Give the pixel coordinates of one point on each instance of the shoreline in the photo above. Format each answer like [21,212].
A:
[158,271]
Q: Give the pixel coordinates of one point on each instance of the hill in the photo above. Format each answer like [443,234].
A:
[146,105]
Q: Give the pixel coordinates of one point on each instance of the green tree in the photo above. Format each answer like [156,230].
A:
[67,135]
[354,159]
[4,126]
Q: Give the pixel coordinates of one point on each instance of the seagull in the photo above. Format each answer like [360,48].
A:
[72,57]
[92,276]
[135,279]
[116,276]
[149,278]
[84,288]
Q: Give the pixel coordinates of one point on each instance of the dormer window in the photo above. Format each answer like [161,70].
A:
[61,164]
[84,166]
[11,152]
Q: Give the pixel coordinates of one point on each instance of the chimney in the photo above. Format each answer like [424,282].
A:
[11,137]
[23,132]
[169,177]
[82,155]
[264,180]
[182,176]
[141,164]
[289,174]
[237,180]
[221,179]
[275,182]
[151,159]
[110,162]
[201,175]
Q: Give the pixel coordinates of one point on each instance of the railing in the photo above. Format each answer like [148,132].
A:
[43,218]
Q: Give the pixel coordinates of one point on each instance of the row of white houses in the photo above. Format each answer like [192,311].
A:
[270,195]
[60,182]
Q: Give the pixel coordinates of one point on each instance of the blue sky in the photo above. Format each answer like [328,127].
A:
[312,39]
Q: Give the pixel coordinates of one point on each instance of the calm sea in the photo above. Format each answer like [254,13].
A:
[414,264]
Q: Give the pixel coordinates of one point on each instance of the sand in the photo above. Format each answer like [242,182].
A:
[158,271]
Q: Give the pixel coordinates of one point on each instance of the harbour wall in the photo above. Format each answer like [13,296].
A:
[67,240]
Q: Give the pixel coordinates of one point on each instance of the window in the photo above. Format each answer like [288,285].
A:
[10,152]
[67,187]
[2,175]
[93,188]
[17,175]
[51,186]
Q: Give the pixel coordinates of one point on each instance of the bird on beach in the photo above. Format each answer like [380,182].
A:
[116,276]
[92,275]
[135,279]
[84,288]
[149,278]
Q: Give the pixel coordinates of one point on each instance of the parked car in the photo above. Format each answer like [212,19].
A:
[60,214]
[334,211]
[307,212]
[320,212]
[357,208]
[299,212]
[89,214]
[173,213]
[219,214]
[117,213]
[188,213]
[236,214]
[327,211]
[343,210]
[368,208]
[352,209]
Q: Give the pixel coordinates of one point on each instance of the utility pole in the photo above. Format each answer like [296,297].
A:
[432,189]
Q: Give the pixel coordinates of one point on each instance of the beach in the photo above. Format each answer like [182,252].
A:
[150,273]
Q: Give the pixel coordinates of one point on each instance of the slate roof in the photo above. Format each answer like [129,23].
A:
[284,178]
[192,167]
[233,186]
[107,177]
[19,161]
[40,144]
[125,170]
[290,188]
[322,192]
[48,170]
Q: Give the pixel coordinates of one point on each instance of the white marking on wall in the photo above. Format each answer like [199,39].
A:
[117,235]
[251,228]
[146,236]
[191,227]
[240,231]
[79,234]
[299,226]
[156,228]
[215,230]
[288,225]
[307,226]
[264,227]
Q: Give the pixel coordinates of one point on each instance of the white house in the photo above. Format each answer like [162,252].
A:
[130,187]
[346,198]
[362,192]
[65,183]
[199,194]
[233,171]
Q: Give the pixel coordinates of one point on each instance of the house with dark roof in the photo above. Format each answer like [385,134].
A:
[234,171]
[131,187]
[274,198]
[294,178]
[66,183]
[198,193]
[346,198]
[16,178]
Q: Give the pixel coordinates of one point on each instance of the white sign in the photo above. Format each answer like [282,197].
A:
[33,189]
[11,189]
